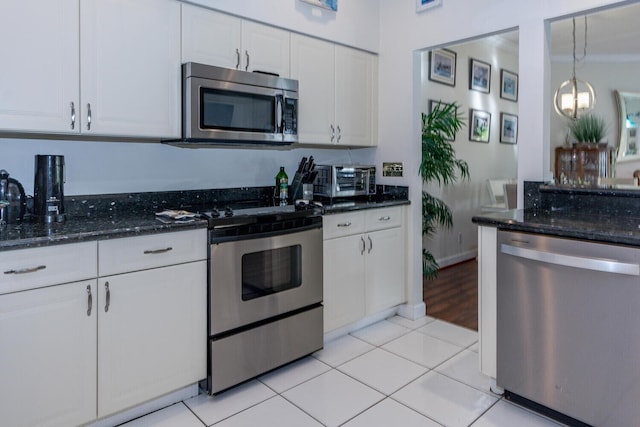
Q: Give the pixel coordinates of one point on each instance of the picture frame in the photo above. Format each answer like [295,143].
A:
[479,125]
[508,85]
[422,5]
[325,4]
[508,128]
[442,66]
[479,75]
[433,103]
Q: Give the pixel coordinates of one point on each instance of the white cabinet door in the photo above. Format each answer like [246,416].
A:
[384,269]
[265,48]
[40,69]
[151,334]
[130,68]
[48,356]
[343,276]
[210,37]
[488,300]
[312,64]
[355,72]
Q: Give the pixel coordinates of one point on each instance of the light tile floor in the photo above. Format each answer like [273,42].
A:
[396,372]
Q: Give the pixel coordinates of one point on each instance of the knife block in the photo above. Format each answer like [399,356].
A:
[295,189]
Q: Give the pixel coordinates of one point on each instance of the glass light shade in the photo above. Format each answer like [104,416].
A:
[574,97]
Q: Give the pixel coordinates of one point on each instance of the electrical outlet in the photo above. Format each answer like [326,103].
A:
[392,169]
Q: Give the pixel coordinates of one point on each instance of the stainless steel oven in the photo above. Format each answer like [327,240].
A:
[265,294]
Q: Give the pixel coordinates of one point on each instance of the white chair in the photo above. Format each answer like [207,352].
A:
[511,195]
[496,195]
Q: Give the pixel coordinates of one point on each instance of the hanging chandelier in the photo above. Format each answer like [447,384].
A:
[575,97]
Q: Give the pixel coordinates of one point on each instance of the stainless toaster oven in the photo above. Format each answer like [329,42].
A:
[345,181]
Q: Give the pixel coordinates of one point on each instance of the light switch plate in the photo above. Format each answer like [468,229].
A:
[392,169]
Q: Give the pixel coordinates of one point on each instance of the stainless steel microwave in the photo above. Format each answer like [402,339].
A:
[225,106]
[344,181]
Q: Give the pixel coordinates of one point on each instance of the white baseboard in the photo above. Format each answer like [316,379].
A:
[457,258]
[412,312]
[362,323]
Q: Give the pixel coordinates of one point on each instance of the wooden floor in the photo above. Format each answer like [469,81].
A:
[453,295]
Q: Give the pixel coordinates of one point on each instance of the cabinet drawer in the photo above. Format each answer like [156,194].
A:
[379,219]
[50,265]
[156,250]
[344,224]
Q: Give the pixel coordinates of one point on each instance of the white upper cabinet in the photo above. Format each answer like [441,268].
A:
[214,38]
[40,71]
[338,93]
[130,67]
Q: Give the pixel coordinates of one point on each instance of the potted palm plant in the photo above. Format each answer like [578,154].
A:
[439,165]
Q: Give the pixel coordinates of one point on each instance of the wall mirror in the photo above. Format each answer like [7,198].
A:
[628,104]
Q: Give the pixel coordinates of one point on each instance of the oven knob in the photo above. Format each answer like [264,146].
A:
[228,211]
[214,213]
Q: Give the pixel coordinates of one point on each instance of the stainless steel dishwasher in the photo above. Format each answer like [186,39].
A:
[569,328]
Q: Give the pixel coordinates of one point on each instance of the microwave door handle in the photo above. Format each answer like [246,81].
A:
[279,114]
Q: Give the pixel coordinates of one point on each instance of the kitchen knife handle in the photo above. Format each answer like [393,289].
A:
[108,298]
[26,270]
[364,245]
[157,251]
[339,134]
[88,116]
[73,115]
[333,133]
[89,300]
[246,53]
[370,244]
[237,58]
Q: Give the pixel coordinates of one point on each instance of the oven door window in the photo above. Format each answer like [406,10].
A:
[271,271]
[237,111]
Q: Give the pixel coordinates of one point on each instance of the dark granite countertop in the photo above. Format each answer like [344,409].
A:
[594,226]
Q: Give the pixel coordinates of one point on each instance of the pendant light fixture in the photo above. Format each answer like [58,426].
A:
[575,97]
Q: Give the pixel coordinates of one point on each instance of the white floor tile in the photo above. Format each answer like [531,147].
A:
[275,412]
[449,332]
[423,349]
[465,367]
[383,371]
[390,413]
[444,400]
[333,398]
[411,324]
[341,350]
[381,332]
[293,374]
[211,409]
[475,347]
[506,414]
[176,415]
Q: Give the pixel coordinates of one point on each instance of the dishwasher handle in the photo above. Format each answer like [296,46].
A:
[596,264]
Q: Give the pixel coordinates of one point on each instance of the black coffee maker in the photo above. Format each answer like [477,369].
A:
[48,189]
[13,201]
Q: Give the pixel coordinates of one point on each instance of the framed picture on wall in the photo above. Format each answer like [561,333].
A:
[325,4]
[479,125]
[442,66]
[508,85]
[479,76]
[508,128]
[432,105]
[422,5]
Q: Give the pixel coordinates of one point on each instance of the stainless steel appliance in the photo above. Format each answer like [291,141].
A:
[12,199]
[225,106]
[568,317]
[344,181]
[48,188]
[265,291]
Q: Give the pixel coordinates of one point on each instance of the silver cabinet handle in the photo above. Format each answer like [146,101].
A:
[73,115]
[370,244]
[108,299]
[339,134]
[246,53]
[384,218]
[345,224]
[89,300]
[26,270]
[597,264]
[237,59]
[88,116]
[333,133]
[157,251]
[364,245]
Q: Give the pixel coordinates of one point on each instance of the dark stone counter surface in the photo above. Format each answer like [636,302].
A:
[607,215]
[107,216]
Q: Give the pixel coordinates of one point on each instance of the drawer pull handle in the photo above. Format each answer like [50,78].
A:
[345,224]
[108,299]
[26,270]
[89,300]
[384,218]
[370,244]
[158,251]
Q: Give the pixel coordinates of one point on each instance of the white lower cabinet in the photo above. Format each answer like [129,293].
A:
[363,264]
[48,356]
